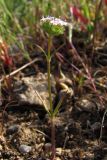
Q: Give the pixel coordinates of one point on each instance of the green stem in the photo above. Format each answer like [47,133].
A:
[49,75]
[50,99]
[53,139]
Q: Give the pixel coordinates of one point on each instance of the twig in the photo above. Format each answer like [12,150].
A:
[19,69]
[42,101]
[97,12]
[102,123]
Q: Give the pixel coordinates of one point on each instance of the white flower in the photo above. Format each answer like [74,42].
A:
[53,26]
[54,21]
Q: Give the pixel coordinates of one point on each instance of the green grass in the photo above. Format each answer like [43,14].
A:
[21,17]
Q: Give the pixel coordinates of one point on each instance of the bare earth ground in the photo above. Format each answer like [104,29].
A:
[25,125]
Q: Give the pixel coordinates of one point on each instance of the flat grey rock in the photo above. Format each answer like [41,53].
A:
[27,94]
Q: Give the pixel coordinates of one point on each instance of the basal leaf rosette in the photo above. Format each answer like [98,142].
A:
[53,26]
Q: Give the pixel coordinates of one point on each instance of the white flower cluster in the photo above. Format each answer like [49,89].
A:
[54,21]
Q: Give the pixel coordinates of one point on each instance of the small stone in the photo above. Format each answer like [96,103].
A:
[1,147]
[85,105]
[57,158]
[25,149]
[58,151]
[12,129]
[47,147]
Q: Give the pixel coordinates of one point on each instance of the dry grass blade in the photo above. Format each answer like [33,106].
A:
[42,101]
[20,69]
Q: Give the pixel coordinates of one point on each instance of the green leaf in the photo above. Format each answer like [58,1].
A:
[90,28]
[56,110]
[41,50]
[53,30]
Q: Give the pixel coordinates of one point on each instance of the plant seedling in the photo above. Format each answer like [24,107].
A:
[6,62]
[54,27]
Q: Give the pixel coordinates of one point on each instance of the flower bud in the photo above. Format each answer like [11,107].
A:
[53,26]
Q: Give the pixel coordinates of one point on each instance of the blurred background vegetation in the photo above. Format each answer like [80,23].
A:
[19,19]
[21,16]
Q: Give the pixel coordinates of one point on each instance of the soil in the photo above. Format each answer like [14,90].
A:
[25,125]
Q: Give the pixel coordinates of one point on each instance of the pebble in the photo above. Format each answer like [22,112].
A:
[12,129]
[57,158]
[47,147]
[25,148]
[86,105]
[1,147]
[58,151]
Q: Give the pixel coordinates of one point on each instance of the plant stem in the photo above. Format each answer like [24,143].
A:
[49,77]
[50,99]
[53,139]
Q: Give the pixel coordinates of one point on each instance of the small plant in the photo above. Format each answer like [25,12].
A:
[4,55]
[6,62]
[54,27]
